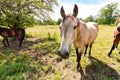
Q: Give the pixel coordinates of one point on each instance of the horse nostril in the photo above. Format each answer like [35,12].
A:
[64,54]
[58,52]
[67,54]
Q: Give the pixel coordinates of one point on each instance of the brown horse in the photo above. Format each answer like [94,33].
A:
[116,34]
[79,33]
[12,32]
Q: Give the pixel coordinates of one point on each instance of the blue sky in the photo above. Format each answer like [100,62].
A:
[82,1]
[86,7]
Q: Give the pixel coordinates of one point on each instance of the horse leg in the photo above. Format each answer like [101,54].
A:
[20,42]
[76,49]
[116,46]
[7,41]
[115,43]
[21,39]
[90,49]
[78,58]
[85,50]
[79,67]
[4,42]
[112,48]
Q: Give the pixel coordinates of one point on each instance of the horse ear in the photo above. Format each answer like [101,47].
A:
[75,10]
[62,12]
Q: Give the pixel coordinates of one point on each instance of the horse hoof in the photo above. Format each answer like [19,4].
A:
[109,56]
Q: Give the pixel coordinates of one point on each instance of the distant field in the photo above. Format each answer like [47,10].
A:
[37,59]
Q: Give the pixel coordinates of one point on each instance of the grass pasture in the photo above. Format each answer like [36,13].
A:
[37,59]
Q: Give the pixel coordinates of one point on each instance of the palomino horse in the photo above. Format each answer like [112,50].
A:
[116,34]
[13,32]
[79,33]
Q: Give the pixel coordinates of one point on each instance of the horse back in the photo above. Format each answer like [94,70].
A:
[12,32]
[93,31]
[6,32]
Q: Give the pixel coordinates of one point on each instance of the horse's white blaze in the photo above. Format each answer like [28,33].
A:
[67,35]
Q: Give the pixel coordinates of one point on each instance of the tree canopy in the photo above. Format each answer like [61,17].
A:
[108,14]
[89,19]
[23,12]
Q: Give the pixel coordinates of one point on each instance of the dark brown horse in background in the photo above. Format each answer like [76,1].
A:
[12,32]
[116,34]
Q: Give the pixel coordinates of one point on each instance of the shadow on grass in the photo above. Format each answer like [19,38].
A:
[18,63]
[98,70]
[14,45]
[33,45]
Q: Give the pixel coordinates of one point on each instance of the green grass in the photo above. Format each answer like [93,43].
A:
[38,59]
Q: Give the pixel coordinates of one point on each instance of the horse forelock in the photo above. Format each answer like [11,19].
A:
[68,16]
[73,19]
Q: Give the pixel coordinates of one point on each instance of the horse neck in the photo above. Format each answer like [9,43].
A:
[78,31]
[81,31]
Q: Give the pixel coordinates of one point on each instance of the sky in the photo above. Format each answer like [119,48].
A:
[86,7]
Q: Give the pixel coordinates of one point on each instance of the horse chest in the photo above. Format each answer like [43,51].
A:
[79,43]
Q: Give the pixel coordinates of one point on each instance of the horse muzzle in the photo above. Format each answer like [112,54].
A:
[63,54]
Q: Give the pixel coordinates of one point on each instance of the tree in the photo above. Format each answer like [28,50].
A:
[89,19]
[107,14]
[23,12]
[82,19]
[59,21]
[49,22]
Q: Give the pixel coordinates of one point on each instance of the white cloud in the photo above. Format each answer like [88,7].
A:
[84,9]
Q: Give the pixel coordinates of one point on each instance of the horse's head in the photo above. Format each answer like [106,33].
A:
[67,28]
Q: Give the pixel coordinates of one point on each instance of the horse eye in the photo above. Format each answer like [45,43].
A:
[75,27]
